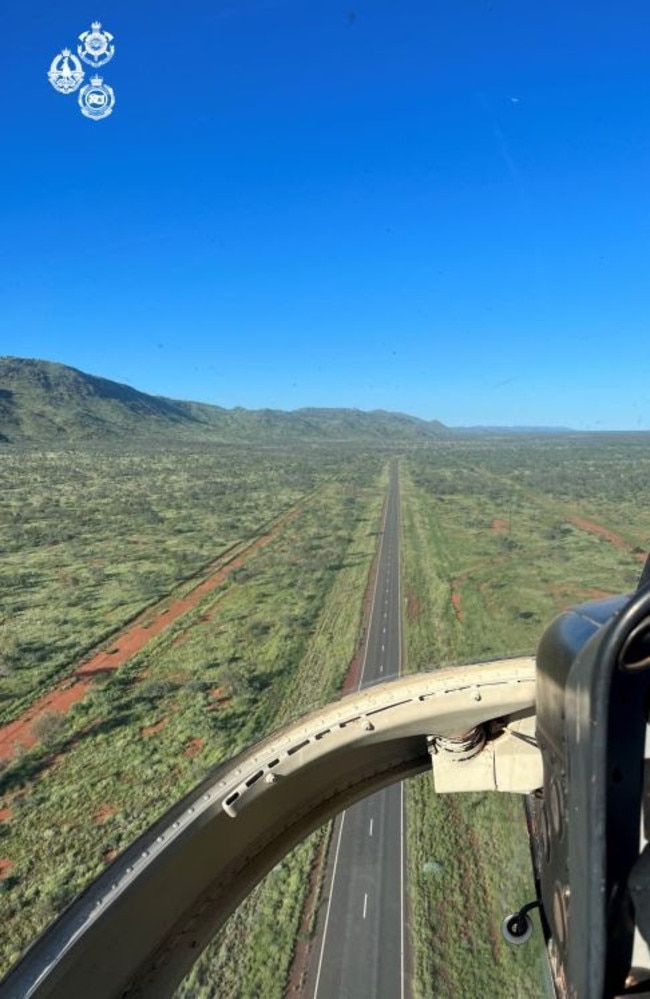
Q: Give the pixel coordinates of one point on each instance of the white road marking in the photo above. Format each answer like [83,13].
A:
[370,830]
[401,889]
[372,607]
[329,906]
[400,648]
[338,845]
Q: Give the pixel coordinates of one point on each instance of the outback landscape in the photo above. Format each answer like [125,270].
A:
[178,580]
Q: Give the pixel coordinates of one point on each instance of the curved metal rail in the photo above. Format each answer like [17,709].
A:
[141,925]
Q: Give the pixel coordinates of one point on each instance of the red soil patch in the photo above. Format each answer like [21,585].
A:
[611,536]
[5,867]
[303,944]
[125,645]
[413,604]
[154,620]
[5,814]
[193,748]
[109,856]
[565,595]
[591,593]
[103,812]
[150,730]
[457,603]
[499,526]
[353,675]
[19,732]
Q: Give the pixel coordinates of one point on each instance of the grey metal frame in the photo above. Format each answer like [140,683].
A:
[138,929]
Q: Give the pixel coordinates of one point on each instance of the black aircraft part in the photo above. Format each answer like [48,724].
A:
[593,688]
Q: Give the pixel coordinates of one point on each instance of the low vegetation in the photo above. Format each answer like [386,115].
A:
[498,535]
[89,538]
[491,552]
[239,663]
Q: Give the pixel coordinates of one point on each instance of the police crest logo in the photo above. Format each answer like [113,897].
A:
[96,99]
[96,47]
[65,73]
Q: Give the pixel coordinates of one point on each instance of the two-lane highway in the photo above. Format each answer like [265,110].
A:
[360,948]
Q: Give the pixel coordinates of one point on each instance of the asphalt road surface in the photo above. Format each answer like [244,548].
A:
[360,940]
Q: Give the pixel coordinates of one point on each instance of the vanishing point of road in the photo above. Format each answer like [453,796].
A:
[360,951]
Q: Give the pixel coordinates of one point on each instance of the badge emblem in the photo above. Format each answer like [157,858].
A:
[96,99]
[96,48]
[65,73]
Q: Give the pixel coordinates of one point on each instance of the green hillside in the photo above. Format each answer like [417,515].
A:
[42,402]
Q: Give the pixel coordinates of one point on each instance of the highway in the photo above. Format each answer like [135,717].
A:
[360,936]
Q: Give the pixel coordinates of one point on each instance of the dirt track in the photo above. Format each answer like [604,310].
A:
[603,532]
[125,644]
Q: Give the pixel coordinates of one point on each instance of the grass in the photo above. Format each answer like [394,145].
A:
[90,538]
[490,554]
[197,693]
[469,862]
[253,954]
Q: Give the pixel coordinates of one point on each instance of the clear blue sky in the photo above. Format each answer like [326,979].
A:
[438,208]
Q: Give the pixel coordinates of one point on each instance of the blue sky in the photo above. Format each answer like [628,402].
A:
[438,208]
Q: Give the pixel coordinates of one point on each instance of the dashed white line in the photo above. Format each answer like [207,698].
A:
[370,830]
[365,904]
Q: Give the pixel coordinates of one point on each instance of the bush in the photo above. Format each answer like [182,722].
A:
[50,727]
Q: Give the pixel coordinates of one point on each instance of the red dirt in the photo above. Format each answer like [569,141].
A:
[109,856]
[103,812]
[124,645]
[219,697]
[611,536]
[19,732]
[5,867]
[303,944]
[499,527]
[193,748]
[413,604]
[591,593]
[150,730]
[565,594]
[457,602]
[144,628]
[5,814]
[353,675]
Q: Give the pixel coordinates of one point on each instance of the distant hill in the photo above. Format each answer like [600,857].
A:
[512,430]
[45,402]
